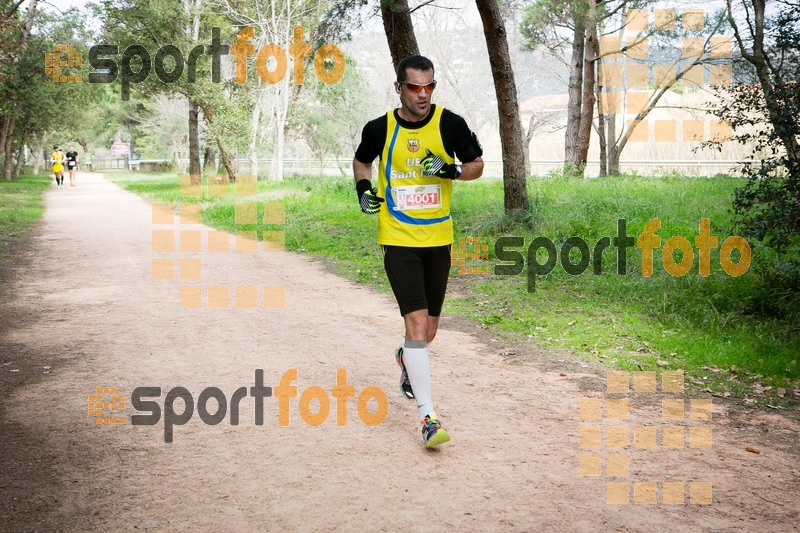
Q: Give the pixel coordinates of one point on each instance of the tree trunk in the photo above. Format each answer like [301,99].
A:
[571,137]
[194,144]
[399,30]
[589,95]
[179,152]
[515,194]
[228,160]
[193,32]
[601,111]
[26,28]
[526,149]
[210,157]
[277,156]
[613,149]
[607,122]
[8,150]
[38,157]
[255,120]
[9,136]
[5,124]
[281,116]
[601,139]
[84,145]
[20,156]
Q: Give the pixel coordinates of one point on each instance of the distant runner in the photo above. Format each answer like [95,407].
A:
[72,164]
[417,145]
[58,166]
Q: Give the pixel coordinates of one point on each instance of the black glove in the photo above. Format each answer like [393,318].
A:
[433,165]
[368,197]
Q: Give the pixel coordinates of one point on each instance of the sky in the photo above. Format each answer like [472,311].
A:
[63,5]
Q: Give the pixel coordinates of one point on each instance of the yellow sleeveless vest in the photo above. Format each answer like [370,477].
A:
[57,157]
[416,212]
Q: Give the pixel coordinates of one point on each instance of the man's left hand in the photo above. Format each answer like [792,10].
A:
[433,165]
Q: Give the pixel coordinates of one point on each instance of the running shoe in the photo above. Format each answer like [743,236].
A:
[432,431]
[405,384]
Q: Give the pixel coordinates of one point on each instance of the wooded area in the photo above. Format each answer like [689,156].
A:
[605,45]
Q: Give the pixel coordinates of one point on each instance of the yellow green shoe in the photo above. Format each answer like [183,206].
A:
[432,431]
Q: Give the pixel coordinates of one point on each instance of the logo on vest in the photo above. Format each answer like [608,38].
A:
[413,145]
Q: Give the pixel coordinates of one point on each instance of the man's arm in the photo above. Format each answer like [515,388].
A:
[361,171]
[368,150]
[460,141]
[472,170]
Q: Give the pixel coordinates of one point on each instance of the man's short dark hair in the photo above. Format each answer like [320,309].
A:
[415,62]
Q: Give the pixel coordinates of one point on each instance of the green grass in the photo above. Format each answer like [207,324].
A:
[626,321]
[21,206]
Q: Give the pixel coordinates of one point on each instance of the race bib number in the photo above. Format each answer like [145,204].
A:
[72,164]
[414,197]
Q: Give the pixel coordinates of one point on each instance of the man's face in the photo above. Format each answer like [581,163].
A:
[416,104]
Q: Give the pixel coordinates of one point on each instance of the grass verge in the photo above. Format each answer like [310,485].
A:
[21,206]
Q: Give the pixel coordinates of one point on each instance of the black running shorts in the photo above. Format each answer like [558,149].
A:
[418,276]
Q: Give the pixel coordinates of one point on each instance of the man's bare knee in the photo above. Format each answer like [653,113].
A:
[416,325]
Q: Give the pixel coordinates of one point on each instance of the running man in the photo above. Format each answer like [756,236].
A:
[417,144]
[72,164]
[58,166]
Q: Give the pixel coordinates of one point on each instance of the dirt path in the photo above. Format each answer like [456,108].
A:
[87,307]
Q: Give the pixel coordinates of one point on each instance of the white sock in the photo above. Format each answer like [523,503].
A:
[415,357]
